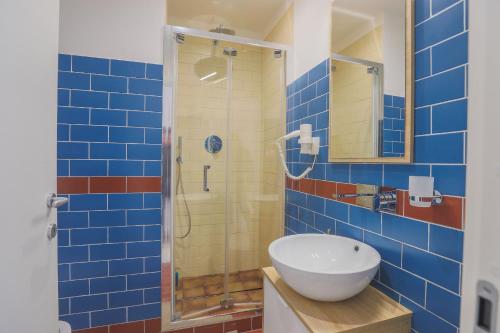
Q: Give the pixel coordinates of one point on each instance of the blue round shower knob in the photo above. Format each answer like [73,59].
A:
[213,144]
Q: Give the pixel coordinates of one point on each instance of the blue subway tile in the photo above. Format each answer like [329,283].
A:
[62,133]
[346,230]
[403,282]
[398,102]
[444,304]
[317,72]
[126,298]
[68,115]
[125,234]
[69,254]
[422,10]
[153,136]
[154,71]
[145,87]
[296,198]
[125,201]
[295,225]
[397,175]
[405,230]
[88,202]
[63,272]
[324,224]
[308,94]
[323,86]
[389,250]
[107,284]
[423,64]
[67,220]
[449,179]
[317,173]
[144,152]
[126,266]
[63,306]
[81,98]
[88,236]
[107,251]
[436,269]
[128,68]
[318,105]
[62,97]
[154,103]
[106,218]
[89,133]
[89,303]
[88,168]
[449,117]
[440,87]
[90,65]
[440,27]
[70,80]
[126,101]
[443,148]
[152,295]
[108,317]
[89,270]
[366,174]
[108,151]
[144,119]
[316,204]
[126,135]
[300,83]
[72,150]
[152,232]
[389,292]
[64,62]
[108,117]
[126,168]
[424,321]
[77,321]
[73,288]
[446,242]
[392,112]
[142,312]
[306,216]
[153,264]
[337,172]
[109,83]
[422,121]
[141,281]
[143,249]
[388,100]
[152,168]
[439,5]
[152,200]
[365,218]
[451,53]
[322,120]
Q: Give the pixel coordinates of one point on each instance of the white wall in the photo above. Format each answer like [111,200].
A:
[394,51]
[117,29]
[312,29]
[483,171]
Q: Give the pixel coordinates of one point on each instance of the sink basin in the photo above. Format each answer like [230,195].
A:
[324,267]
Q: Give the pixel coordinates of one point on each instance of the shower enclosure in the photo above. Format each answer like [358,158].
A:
[223,187]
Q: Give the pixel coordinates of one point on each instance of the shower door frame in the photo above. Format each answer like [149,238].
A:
[170,75]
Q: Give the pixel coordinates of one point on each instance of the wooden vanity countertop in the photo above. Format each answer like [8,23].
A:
[368,312]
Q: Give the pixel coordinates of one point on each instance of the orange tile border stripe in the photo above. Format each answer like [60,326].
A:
[450,213]
[86,185]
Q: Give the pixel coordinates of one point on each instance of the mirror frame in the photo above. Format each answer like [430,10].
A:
[407,158]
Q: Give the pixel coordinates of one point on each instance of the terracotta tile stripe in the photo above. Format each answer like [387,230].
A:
[242,325]
[450,213]
[72,185]
[84,185]
[143,184]
[134,327]
[108,184]
[103,329]
[152,325]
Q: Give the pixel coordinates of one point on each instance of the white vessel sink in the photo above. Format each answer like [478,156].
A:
[324,267]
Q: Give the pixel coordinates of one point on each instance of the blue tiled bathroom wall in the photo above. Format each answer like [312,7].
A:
[393,126]
[109,125]
[421,261]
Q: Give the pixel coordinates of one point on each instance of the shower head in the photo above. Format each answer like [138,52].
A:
[222,30]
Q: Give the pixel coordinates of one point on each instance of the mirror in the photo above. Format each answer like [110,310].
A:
[371,81]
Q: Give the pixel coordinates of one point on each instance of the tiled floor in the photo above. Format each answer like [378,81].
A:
[201,296]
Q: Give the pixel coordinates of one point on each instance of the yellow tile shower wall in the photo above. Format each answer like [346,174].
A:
[255,206]
[351,120]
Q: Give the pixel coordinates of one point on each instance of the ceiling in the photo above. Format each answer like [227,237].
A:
[250,18]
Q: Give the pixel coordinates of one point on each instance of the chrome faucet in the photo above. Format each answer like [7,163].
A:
[381,200]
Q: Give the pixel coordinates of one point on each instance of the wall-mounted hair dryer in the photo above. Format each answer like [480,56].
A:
[308,145]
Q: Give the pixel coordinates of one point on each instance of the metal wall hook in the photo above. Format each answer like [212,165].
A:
[53,201]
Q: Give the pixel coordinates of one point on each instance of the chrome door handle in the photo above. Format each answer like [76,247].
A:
[205,178]
[54,201]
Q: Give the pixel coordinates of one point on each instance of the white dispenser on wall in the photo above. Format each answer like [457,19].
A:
[309,145]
